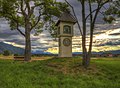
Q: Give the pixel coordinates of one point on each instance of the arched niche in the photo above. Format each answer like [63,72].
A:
[67,29]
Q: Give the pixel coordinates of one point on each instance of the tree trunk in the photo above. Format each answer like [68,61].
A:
[90,46]
[84,49]
[27,43]
[84,58]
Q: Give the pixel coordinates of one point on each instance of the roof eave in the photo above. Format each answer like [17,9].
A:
[64,21]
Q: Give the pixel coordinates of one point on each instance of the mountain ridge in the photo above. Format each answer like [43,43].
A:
[11,48]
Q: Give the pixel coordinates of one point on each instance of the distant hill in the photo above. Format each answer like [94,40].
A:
[41,52]
[18,50]
[111,51]
[11,48]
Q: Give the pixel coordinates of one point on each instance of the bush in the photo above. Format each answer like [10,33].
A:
[6,53]
[16,54]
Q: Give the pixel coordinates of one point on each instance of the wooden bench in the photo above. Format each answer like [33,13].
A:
[19,58]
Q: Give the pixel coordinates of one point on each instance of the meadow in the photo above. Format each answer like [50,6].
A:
[60,73]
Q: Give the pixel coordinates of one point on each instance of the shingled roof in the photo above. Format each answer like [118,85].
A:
[66,17]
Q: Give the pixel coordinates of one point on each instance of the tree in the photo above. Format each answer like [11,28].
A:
[6,53]
[30,15]
[113,12]
[92,16]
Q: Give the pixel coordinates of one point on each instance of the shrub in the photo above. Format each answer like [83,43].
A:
[6,53]
[16,54]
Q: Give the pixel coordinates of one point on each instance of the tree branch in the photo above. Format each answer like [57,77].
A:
[116,5]
[39,18]
[20,30]
[28,8]
[17,27]
[90,13]
[17,24]
[100,5]
[37,5]
[75,16]
[90,9]
[21,7]
[33,7]
[102,13]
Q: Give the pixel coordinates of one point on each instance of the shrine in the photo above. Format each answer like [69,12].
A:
[65,33]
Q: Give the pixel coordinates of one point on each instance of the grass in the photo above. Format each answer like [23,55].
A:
[60,73]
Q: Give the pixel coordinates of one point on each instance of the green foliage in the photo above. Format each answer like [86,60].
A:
[16,54]
[18,12]
[109,19]
[6,53]
[113,11]
[60,73]
[53,30]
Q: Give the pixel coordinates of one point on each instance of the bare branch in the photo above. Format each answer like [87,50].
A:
[105,8]
[100,5]
[102,13]
[90,13]
[75,16]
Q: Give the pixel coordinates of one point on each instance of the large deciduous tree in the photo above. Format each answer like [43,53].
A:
[26,15]
[91,15]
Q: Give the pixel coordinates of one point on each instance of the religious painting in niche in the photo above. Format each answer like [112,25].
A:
[66,42]
[67,29]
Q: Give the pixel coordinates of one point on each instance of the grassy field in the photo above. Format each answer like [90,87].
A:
[60,73]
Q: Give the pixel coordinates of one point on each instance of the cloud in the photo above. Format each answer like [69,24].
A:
[15,38]
[44,40]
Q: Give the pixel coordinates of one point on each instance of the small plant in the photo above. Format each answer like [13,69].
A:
[6,53]
[16,54]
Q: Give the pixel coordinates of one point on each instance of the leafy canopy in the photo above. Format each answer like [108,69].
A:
[34,12]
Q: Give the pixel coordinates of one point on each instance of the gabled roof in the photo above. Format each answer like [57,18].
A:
[66,17]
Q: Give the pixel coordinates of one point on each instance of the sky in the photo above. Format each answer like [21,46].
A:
[44,40]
